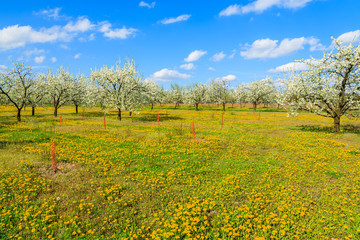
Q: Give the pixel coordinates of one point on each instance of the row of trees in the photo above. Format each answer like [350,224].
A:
[119,87]
[330,88]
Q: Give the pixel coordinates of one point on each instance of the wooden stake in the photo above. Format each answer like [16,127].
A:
[193,130]
[60,121]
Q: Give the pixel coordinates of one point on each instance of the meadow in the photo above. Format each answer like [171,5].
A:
[273,177]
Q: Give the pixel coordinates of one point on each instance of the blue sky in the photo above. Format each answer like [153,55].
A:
[175,41]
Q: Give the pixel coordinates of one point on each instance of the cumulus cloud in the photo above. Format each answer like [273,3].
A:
[77,56]
[188,66]
[293,66]
[165,75]
[39,59]
[53,59]
[81,25]
[211,69]
[229,77]
[148,5]
[18,36]
[195,55]
[348,37]
[218,56]
[121,33]
[267,48]
[180,18]
[259,6]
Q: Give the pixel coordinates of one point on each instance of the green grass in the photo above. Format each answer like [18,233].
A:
[277,178]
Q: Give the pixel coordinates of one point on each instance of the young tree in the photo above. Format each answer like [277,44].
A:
[196,95]
[78,92]
[176,94]
[240,94]
[59,88]
[218,92]
[332,85]
[15,86]
[154,93]
[120,86]
[38,93]
[260,91]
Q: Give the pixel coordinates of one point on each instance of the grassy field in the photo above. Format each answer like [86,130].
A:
[275,178]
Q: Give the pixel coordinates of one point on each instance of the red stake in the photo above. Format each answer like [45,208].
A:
[158,118]
[254,111]
[104,123]
[199,115]
[193,130]
[60,121]
[259,116]
[82,115]
[53,156]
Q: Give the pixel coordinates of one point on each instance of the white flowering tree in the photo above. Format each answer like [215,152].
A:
[154,93]
[176,94]
[15,86]
[331,87]
[260,91]
[38,93]
[196,95]
[121,87]
[59,88]
[219,92]
[240,94]
[78,92]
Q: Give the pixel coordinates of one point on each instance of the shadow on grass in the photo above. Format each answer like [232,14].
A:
[346,128]
[153,118]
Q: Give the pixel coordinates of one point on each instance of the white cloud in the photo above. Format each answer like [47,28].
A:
[348,37]
[35,51]
[267,48]
[229,77]
[180,18]
[165,75]
[81,25]
[53,59]
[195,55]
[77,56]
[51,13]
[3,68]
[188,66]
[211,69]
[145,4]
[218,56]
[122,33]
[233,54]
[259,6]
[18,36]
[39,59]
[293,66]
[63,46]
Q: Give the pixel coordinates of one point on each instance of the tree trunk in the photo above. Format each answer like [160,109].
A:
[77,109]
[130,113]
[152,106]
[175,105]
[119,114]
[224,106]
[19,115]
[33,111]
[255,106]
[55,112]
[337,124]
[197,106]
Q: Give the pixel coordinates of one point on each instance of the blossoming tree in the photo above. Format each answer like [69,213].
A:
[331,87]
